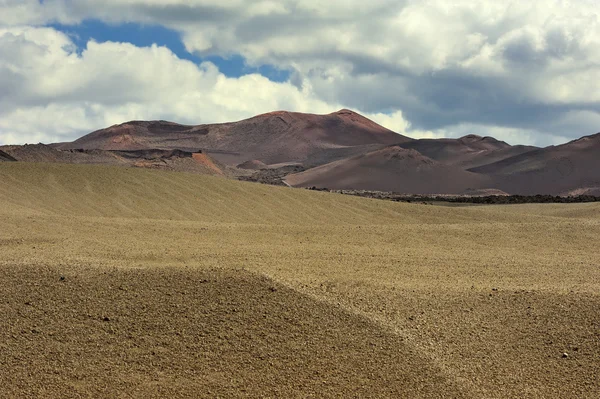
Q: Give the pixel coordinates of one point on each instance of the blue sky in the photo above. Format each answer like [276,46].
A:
[144,35]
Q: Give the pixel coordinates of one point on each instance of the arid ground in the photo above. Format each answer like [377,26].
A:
[121,282]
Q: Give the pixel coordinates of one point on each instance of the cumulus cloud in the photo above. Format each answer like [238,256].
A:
[518,69]
[51,93]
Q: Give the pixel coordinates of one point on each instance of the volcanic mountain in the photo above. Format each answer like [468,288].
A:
[272,138]
[468,151]
[571,168]
[390,169]
[341,150]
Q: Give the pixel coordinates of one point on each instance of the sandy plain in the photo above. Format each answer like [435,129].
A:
[120,282]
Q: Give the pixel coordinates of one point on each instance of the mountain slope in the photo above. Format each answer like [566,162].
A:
[174,160]
[390,169]
[45,153]
[108,191]
[271,138]
[570,167]
[468,151]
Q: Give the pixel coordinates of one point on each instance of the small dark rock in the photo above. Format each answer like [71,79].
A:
[106,319]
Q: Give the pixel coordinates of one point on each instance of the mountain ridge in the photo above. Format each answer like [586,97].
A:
[271,138]
[340,150]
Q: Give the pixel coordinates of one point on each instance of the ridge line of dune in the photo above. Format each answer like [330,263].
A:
[407,338]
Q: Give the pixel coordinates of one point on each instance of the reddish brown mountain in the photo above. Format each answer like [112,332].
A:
[468,151]
[390,169]
[271,138]
[341,150]
[573,167]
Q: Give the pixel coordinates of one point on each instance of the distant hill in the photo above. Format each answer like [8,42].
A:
[341,150]
[272,138]
[573,167]
[390,169]
[468,151]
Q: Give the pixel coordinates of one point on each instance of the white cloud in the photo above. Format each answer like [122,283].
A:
[394,121]
[56,95]
[512,67]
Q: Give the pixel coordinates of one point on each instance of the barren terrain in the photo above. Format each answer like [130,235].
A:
[120,282]
[168,160]
[271,138]
[342,150]
[467,152]
[392,168]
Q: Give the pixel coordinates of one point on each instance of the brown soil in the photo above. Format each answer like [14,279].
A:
[389,169]
[170,332]
[204,160]
[123,282]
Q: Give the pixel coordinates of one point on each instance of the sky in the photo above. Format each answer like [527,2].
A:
[527,72]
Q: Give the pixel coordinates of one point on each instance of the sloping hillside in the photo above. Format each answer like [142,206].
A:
[569,167]
[172,160]
[271,138]
[104,191]
[468,151]
[390,169]
[143,283]
[44,153]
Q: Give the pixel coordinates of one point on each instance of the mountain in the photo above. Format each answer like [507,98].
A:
[468,151]
[272,138]
[390,169]
[573,167]
[341,150]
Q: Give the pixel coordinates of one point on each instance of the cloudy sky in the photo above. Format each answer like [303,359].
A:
[523,71]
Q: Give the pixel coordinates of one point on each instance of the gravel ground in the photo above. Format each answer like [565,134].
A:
[132,283]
